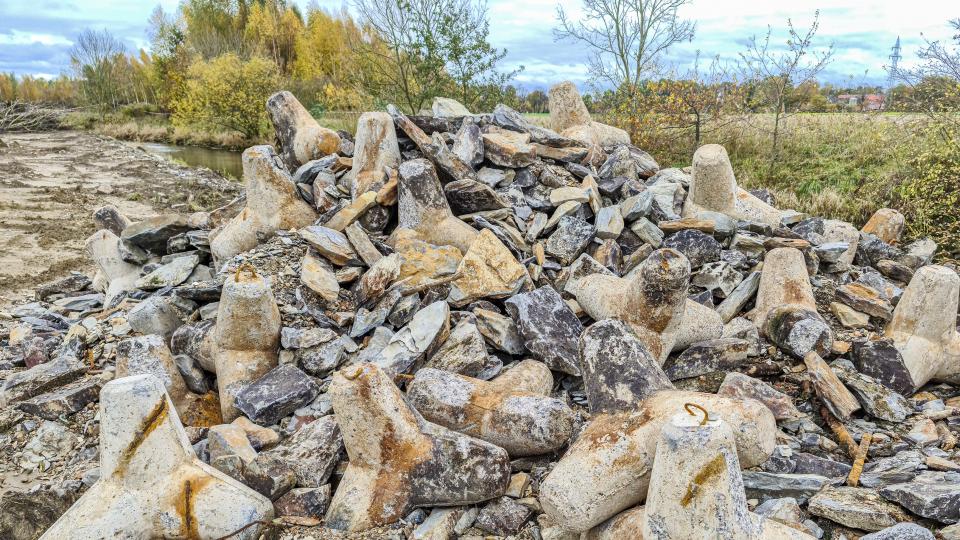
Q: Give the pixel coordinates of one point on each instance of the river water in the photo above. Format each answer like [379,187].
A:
[225,162]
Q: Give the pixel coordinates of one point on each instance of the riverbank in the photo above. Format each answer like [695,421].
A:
[50,184]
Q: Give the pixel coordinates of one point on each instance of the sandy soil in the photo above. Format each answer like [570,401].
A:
[50,184]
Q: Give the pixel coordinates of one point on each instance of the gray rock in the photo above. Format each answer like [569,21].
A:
[896,469]
[155,315]
[549,328]
[738,298]
[723,354]
[637,206]
[72,283]
[719,277]
[63,401]
[193,376]
[743,386]
[609,222]
[500,331]
[618,370]
[320,360]
[312,452]
[469,196]
[901,531]
[859,508]
[468,144]
[311,502]
[303,338]
[152,234]
[414,342]
[25,515]
[40,378]
[463,352]
[764,485]
[700,248]
[831,251]
[933,495]
[503,516]
[570,238]
[269,475]
[882,361]
[877,400]
[647,232]
[275,395]
[332,244]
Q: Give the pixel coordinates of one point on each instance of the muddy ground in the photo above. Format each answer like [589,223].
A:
[50,184]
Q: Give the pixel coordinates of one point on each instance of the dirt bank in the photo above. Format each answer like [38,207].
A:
[50,184]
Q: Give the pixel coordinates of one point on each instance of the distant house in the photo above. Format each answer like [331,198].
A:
[872,102]
[861,102]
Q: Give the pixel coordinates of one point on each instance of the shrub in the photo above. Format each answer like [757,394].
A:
[228,93]
[931,192]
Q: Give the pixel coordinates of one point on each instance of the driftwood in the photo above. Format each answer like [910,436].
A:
[29,117]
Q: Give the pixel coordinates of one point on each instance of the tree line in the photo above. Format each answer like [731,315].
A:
[212,63]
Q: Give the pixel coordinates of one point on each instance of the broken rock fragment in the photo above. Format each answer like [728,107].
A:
[275,395]
[513,411]
[549,328]
[886,224]
[487,270]
[151,483]
[398,460]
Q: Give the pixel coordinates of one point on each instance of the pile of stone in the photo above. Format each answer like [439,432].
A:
[467,325]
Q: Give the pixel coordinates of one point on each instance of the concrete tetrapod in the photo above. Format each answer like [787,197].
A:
[151,484]
[696,490]
[713,187]
[398,460]
[375,150]
[786,311]
[422,207]
[652,302]
[272,204]
[103,247]
[513,411]
[923,328]
[301,137]
[607,469]
[569,117]
[246,337]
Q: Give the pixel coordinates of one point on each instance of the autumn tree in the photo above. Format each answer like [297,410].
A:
[93,57]
[414,50]
[272,29]
[704,99]
[228,93]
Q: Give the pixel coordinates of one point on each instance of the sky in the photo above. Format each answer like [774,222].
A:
[36,35]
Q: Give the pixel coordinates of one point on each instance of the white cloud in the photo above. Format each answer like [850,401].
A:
[16,37]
